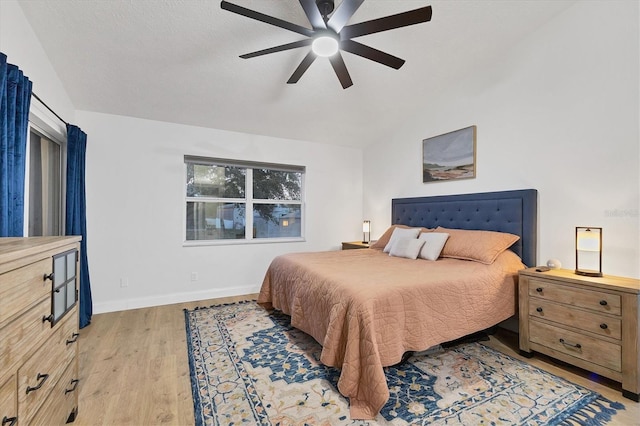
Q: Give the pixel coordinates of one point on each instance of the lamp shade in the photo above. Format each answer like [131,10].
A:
[366,231]
[589,251]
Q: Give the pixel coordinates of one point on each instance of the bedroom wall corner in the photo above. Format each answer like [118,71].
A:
[22,47]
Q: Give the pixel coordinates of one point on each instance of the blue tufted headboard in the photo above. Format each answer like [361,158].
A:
[515,212]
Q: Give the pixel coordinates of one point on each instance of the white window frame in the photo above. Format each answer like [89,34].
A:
[44,122]
[248,201]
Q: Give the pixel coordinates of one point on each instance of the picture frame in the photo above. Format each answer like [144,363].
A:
[450,156]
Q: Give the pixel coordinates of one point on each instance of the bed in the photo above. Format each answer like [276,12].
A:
[369,307]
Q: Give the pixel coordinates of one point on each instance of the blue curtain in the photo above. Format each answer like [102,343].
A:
[76,217]
[15,98]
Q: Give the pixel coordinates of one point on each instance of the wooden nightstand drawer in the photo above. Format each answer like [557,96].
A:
[8,401]
[22,335]
[38,376]
[590,349]
[589,299]
[63,400]
[21,287]
[350,245]
[604,325]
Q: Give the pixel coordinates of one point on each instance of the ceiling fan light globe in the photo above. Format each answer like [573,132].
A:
[325,46]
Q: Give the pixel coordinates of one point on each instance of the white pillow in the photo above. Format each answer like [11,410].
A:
[400,233]
[433,244]
[406,247]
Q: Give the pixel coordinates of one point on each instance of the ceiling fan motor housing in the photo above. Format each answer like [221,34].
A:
[325,7]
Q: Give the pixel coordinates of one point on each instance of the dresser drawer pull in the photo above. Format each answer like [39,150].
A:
[42,378]
[49,318]
[603,303]
[604,326]
[9,421]
[74,338]
[48,277]
[539,289]
[573,345]
[538,309]
[74,384]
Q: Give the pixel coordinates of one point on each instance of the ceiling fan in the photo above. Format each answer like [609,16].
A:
[330,34]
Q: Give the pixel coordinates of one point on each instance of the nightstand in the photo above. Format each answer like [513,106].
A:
[350,245]
[589,322]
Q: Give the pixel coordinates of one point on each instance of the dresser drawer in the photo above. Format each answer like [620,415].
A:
[39,375]
[63,399]
[23,287]
[574,296]
[590,349]
[8,402]
[20,336]
[588,321]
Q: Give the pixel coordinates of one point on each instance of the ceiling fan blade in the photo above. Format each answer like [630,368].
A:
[304,65]
[288,46]
[265,18]
[341,70]
[313,14]
[371,53]
[343,13]
[390,22]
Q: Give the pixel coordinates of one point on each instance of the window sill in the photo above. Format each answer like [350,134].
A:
[200,243]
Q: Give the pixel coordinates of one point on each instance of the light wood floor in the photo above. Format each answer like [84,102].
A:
[134,369]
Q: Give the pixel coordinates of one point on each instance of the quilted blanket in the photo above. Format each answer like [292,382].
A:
[367,309]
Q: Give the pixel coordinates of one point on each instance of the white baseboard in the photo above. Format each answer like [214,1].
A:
[169,299]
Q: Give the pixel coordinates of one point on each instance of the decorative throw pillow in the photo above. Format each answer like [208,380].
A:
[384,239]
[433,244]
[382,242]
[480,246]
[400,233]
[406,247]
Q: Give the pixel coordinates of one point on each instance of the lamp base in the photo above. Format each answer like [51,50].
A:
[589,273]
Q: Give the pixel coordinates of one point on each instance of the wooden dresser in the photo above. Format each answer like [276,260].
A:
[38,330]
[588,322]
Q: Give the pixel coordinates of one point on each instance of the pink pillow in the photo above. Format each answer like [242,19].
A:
[479,246]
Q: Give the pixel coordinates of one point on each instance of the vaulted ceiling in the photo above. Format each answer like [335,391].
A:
[178,61]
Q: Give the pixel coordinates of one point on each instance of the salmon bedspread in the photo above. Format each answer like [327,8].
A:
[367,309]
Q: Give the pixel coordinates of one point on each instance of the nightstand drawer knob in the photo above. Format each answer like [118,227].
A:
[573,345]
[538,309]
[539,289]
[604,326]
[603,302]
[10,421]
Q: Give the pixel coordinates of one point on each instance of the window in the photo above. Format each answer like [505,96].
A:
[238,200]
[45,185]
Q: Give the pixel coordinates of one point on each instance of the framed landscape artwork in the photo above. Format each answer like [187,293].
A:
[449,156]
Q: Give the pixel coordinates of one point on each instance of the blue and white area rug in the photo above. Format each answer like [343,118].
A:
[250,367]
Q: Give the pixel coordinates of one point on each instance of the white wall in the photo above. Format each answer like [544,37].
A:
[136,208]
[559,114]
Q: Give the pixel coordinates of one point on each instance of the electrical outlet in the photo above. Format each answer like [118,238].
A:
[124,282]
[194,276]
